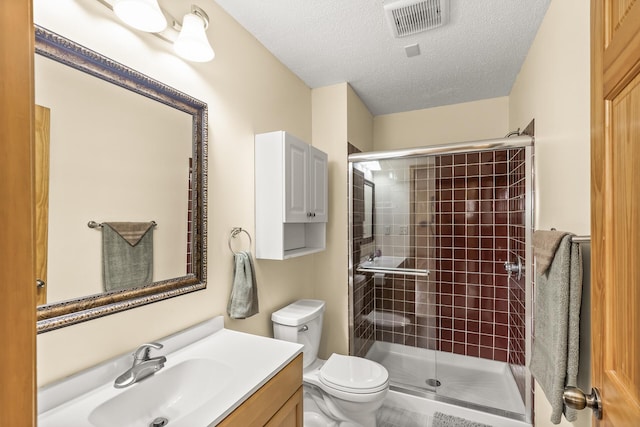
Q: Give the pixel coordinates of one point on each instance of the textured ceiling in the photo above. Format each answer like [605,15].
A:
[477,55]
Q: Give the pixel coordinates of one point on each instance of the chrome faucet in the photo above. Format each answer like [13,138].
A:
[143,366]
[375,254]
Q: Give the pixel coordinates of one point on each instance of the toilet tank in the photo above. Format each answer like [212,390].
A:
[301,322]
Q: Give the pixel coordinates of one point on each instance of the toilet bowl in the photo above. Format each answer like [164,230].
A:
[348,390]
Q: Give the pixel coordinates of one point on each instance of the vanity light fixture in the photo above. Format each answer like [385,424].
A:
[189,38]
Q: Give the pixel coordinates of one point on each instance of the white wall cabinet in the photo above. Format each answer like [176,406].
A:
[291,196]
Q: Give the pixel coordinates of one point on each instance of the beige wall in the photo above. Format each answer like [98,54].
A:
[329,106]
[553,88]
[359,122]
[247,91]
[469,121]
[339,116]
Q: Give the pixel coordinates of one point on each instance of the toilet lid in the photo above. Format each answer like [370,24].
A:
[354,374]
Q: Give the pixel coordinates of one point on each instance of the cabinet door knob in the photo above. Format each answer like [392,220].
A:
[40,283]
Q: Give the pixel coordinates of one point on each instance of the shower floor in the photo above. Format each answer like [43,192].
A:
[475,381]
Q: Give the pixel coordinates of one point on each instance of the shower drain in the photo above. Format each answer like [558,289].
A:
[432,382]
[159,422]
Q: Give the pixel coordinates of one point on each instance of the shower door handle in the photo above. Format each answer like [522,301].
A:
[405,271]
[517,268]
[575,398]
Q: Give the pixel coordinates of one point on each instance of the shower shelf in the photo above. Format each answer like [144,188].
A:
[406,271]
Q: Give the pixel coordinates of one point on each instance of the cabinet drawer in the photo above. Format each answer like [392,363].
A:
[291,414]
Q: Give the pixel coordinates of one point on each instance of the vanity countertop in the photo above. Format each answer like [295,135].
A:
[243,363]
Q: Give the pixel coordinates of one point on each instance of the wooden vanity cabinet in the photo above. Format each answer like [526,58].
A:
[278,403]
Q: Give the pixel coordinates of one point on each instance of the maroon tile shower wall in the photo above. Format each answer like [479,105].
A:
[363,293]
[462,230]
[473,296]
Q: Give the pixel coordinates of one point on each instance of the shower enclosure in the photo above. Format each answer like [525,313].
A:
[440,287]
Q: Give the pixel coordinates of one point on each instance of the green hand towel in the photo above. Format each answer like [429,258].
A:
[127,265]
[243,301]
[555,355]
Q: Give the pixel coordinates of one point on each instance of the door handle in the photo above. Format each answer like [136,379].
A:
[575,398]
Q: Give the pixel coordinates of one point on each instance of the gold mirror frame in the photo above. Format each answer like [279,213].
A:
[61,314]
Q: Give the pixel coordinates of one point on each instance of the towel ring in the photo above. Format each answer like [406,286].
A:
[234,232]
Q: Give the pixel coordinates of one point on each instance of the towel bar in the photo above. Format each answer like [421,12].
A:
[93,224]
[578,239]
[581,239]
[234,232]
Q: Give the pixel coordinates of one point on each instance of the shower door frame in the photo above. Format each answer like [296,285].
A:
[515,142]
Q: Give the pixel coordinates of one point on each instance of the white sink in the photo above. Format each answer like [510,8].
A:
[384,261]
[171,393]
[209,372]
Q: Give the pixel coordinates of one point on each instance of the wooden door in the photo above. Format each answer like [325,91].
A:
[17,279]
[42,136]
[615,209]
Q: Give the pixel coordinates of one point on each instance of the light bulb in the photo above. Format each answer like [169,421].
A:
[192,43]
[143,15]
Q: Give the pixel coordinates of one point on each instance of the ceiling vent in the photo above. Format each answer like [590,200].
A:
[408,17]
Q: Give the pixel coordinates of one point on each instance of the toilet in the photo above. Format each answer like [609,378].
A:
[342,391]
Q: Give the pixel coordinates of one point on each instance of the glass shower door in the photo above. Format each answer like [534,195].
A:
[394,299]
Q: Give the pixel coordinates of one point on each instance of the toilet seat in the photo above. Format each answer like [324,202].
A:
[351,374]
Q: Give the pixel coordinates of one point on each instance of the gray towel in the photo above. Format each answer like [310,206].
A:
[555,355]
[243,301]
[444,420]
[127,259]
[545,244]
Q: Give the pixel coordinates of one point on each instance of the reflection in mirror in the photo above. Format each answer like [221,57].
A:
[112,175]
[123,148]
[368,223]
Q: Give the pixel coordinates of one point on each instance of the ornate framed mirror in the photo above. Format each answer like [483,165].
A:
[115,173]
